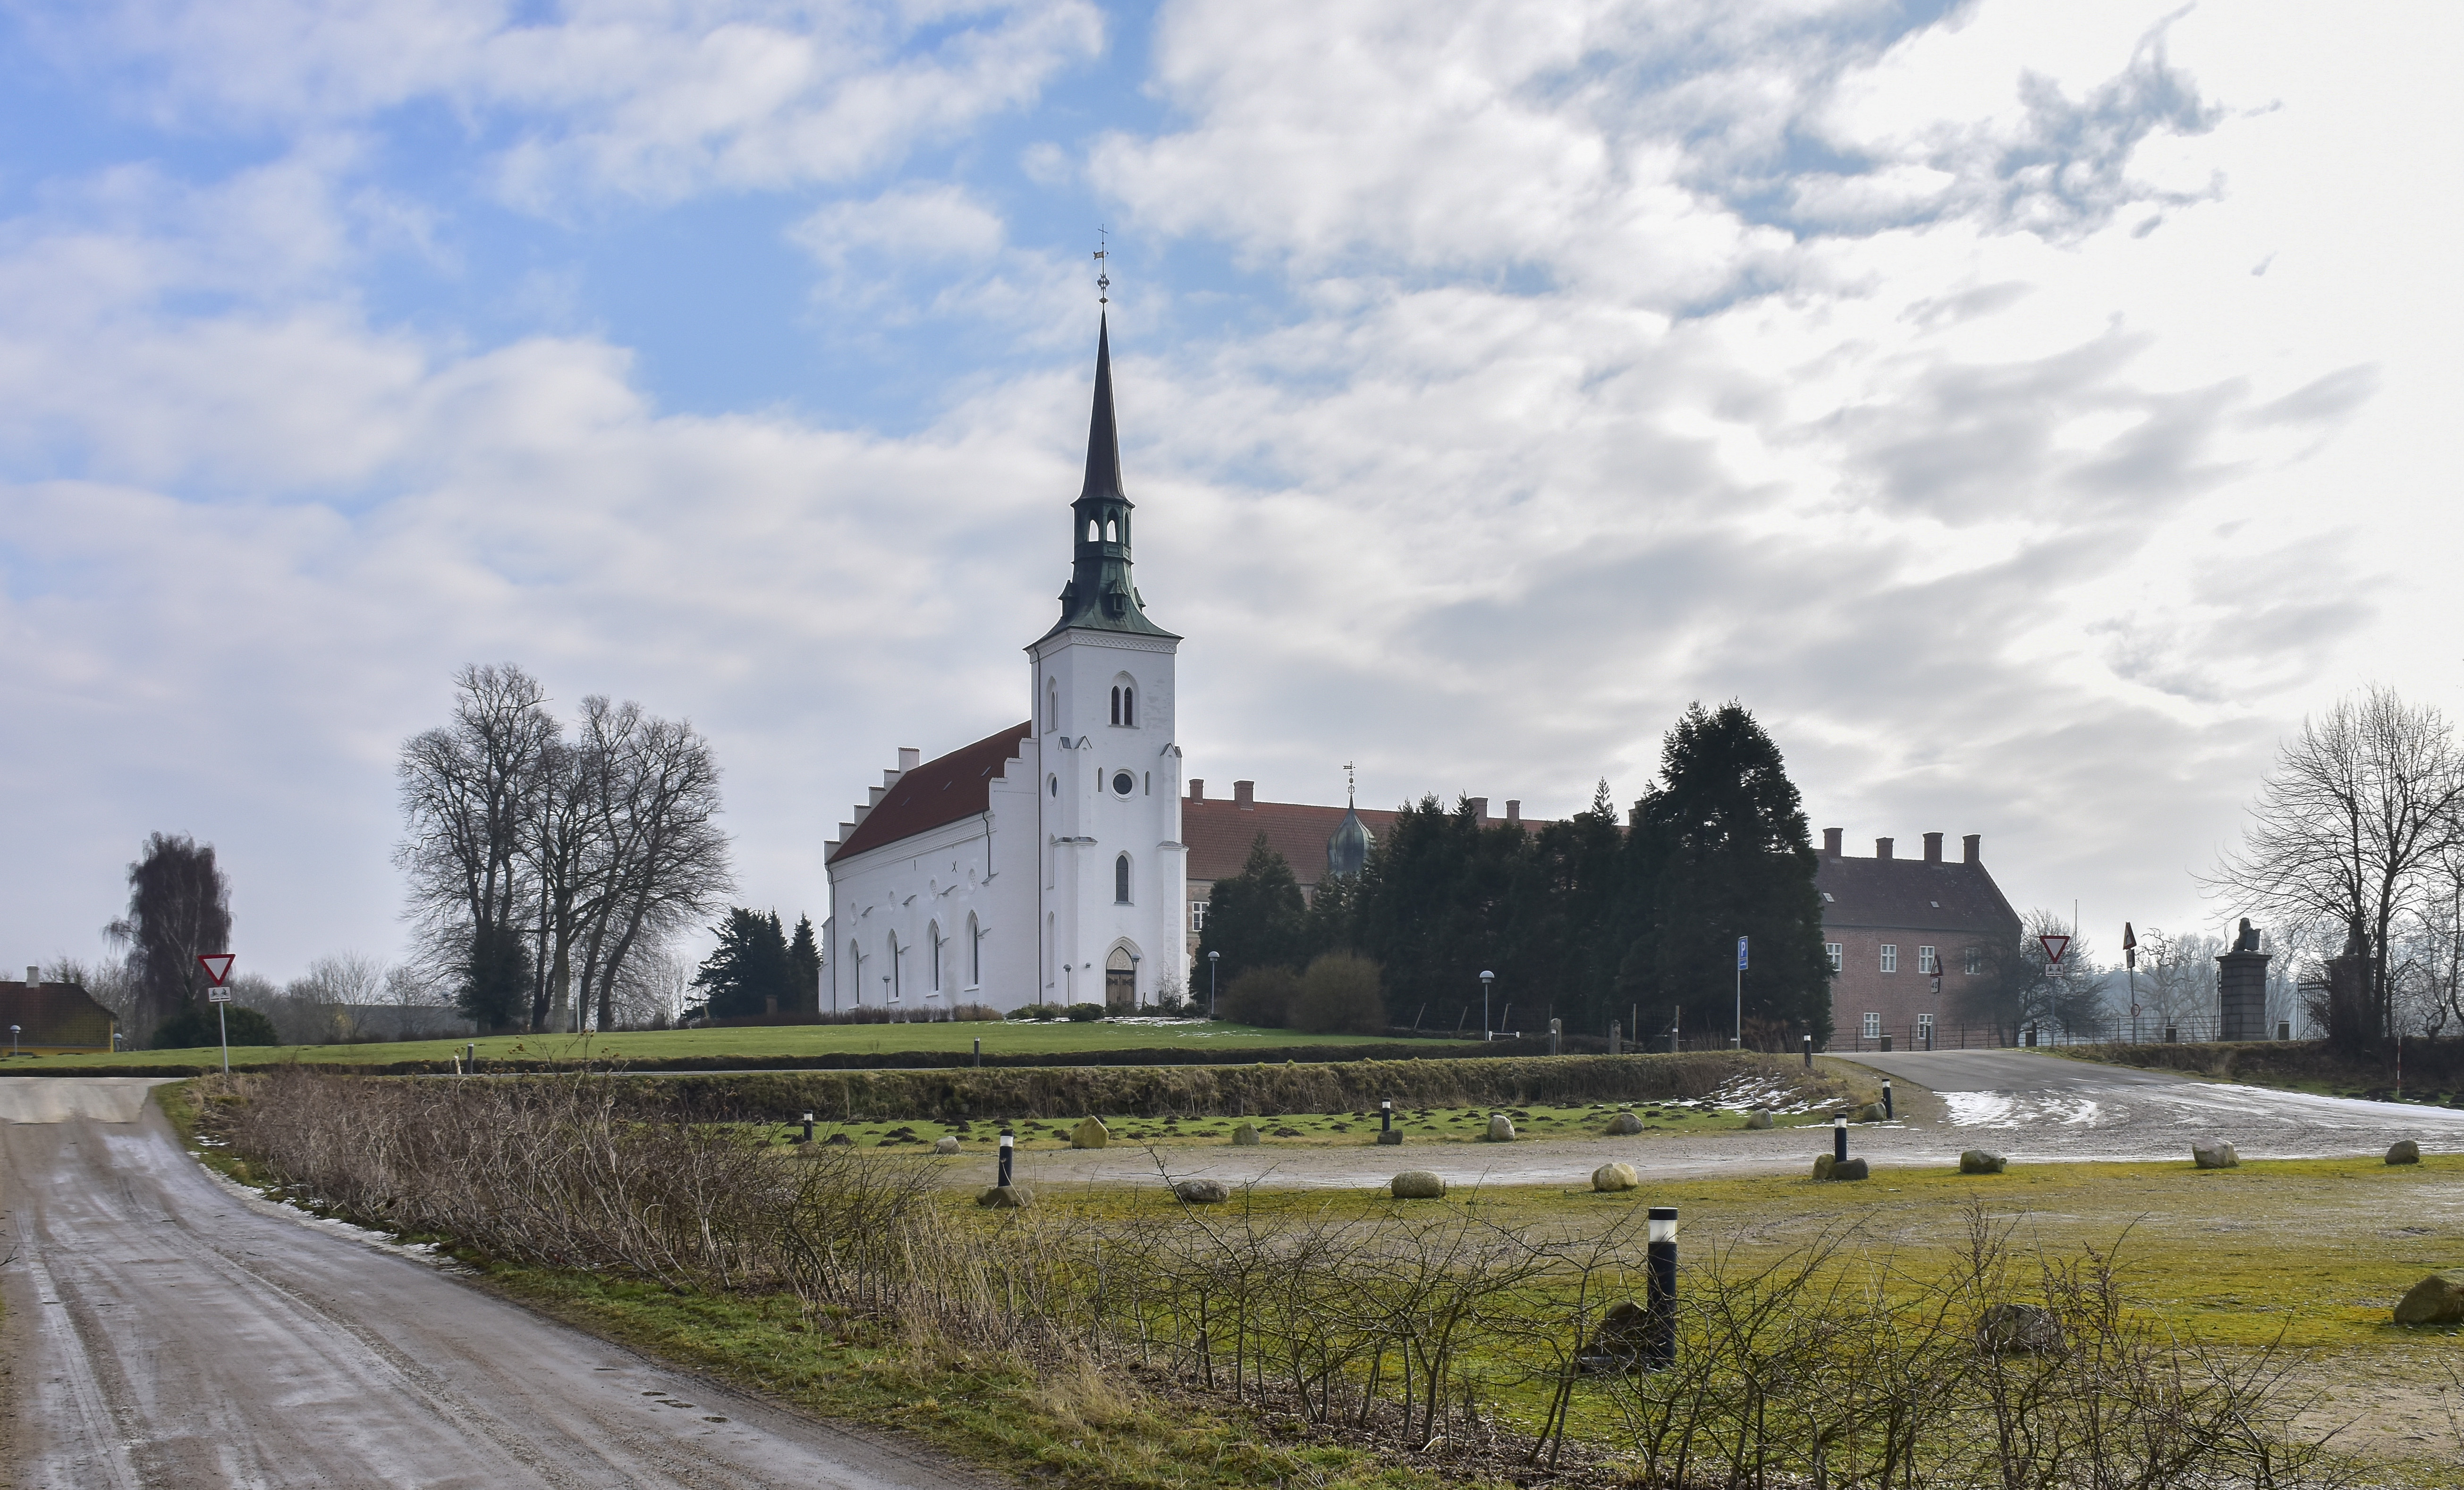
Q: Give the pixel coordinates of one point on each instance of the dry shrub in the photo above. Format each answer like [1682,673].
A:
[1339,995]
[1261,996]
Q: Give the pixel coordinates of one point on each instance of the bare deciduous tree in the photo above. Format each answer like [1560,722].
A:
[593,849]
[2351,828]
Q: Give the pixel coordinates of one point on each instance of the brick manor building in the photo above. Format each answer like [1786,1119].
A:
[1903,936]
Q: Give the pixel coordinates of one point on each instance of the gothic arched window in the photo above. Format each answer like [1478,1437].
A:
[975,954]
[1116,705]
[1092,532]
[932,935]
[893,975]
[1051,705]
[1112,532]
[1121,880]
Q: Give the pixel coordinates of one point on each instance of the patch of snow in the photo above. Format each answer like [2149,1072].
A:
[1981,1108]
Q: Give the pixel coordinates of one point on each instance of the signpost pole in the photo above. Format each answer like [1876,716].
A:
[218,965]
[1739,1041]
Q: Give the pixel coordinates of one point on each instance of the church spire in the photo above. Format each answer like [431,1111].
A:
[1103,430]
[1099,596]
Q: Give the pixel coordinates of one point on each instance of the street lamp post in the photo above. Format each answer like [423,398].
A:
[1214,963]
[12,1041]
[1485,980]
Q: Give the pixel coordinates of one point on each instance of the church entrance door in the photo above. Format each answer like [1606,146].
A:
[1120,982]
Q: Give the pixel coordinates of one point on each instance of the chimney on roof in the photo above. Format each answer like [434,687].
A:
[1934,848]
[1971,850]
[1479,809]
[1882,848]
[1244,795]
[1513,809]
[1197,789]
[1831,843]
[908,757]
[33,977]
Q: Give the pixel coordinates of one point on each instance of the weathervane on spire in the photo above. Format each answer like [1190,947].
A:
[1103,268]
[1351,784]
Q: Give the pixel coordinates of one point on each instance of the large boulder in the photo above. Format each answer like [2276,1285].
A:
[2403,1150]
[2018,1329]
[1981,1161]
[1418,1185]
[1202,1192]
[1007,1198]
[2436,1299]
[1759,1117]
[1624,1126]
[947,1143]
[1245,1135]
[1620,1343]
[1823,1165]
[1501,1129]
[1870,1112]
[2217,1155]
[1615,1176]
[1849,1168]
[1091,1133]
[1390,1135]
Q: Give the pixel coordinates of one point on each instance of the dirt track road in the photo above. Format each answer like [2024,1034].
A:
[166,1330]
[2033,1107]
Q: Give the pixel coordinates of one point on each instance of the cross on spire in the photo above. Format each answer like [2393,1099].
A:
[1351,784]
[1102,267]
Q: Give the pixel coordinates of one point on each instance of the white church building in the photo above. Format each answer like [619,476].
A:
[1043,864]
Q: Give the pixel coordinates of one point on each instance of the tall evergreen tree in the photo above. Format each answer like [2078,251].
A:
[1439,904]
[1257,918]
[492,986]
[803,968]
[748,967]
[1716,850]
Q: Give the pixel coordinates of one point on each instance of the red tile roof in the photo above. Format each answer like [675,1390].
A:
[1219,832]
[957,786]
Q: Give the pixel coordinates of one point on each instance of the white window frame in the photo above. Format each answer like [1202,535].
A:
[1836,953]
[1975,961]
[1197,915]
[1872,1026]
[1924,1026]
[1890,956]
[1927,962]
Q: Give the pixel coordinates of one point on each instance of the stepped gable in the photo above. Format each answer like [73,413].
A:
[942,789]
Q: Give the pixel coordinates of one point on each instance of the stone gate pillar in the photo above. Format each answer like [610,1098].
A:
[2241,989]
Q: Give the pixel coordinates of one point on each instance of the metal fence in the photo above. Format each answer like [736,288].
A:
[1852,1039]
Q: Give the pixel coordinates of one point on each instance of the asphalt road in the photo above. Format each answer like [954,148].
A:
[166,1328]
[2033,1107]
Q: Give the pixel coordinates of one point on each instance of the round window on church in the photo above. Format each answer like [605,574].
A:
[1123,783]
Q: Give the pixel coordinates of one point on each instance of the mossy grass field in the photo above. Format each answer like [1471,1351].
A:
[758,1043]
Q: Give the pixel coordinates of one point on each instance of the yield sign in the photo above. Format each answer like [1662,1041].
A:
[217,965]
[2055,947]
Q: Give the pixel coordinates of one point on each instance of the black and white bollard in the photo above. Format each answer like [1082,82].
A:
[1886,1099]
[1809,1052]
[1840,1136]
[1006,1141]
[1386,1117]
[1660,1300]
[980,1050]
[809,1127]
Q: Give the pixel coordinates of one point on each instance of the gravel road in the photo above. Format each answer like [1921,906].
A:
[166,1328]
[2031,1106]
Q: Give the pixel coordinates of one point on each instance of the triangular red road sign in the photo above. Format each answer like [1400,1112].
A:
[217,965]
[2055,947]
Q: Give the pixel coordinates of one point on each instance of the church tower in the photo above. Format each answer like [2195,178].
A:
[1113,885]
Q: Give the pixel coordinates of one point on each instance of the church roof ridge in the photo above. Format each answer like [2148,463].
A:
[941,790]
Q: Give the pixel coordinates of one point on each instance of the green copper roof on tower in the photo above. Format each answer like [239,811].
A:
[1099,596]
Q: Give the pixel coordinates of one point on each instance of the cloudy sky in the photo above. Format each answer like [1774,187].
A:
[2029,410]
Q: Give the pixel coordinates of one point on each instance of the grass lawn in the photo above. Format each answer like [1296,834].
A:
[1305,1131]
[648,1047]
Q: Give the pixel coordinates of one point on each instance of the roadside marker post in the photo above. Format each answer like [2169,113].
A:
[809,1127]
[980,1050]
[1004,1172]
[1887,1114]
[218,965]
[1840,1137]
[1660,1300]
[1809,1052]
[1738,1041]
